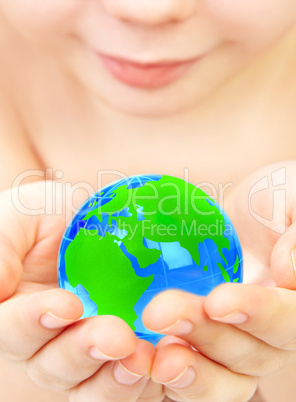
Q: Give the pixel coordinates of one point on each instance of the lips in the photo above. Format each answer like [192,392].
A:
[150,75]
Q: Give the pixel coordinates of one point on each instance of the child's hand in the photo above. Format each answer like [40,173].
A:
[38,321]
[260,341]
[262,336]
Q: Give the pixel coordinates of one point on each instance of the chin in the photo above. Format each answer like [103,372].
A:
[176,98]
[184,94]
[156,105]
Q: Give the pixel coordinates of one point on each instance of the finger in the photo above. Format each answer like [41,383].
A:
[29,237]
[11,269]
[182,314]
[28,322]
[17,236]
[171,339]
[121,380]
[263,312]
[188,375]
[153,392]
[80,351]
[283,259]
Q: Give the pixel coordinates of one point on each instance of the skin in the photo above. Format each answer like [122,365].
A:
[56,354]
[204,121]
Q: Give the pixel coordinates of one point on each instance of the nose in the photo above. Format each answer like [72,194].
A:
[150,12]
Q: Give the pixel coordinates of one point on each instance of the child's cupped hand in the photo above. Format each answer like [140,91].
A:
[239,332]
[95,359]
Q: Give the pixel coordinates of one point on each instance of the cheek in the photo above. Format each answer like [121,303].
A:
[31,17]
[254,22]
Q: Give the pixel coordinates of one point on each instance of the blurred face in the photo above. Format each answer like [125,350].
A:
[152,57]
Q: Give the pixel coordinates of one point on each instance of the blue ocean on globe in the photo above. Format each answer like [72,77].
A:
[141,235]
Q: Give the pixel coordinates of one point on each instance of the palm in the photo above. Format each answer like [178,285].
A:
[260,221]
[35,239]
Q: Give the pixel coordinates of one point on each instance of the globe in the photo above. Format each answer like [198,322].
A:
[141,235]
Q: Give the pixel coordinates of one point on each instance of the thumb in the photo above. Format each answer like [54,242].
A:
[33,218]
[19,231]
[283,259]
[11,269]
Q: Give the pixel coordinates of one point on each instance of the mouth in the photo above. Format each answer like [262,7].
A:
[146,75]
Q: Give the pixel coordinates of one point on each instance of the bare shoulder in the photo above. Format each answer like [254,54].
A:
[16,152]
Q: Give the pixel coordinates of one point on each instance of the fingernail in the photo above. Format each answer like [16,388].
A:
[125,376]
[96,354]
[51,321]
[233,318]
[183,380]
[180,327]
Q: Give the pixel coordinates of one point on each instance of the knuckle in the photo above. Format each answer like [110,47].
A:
[14,342]
[289,345]
[247,389]
[172,396]
[203,390]
[267,361]
[211,341]
[8,353]
[151,398]
[152,392]
[43,378]
[216,392]
[116,395]
[12,354]
[81,393]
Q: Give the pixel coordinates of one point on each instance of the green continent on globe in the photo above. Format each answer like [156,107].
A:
[98,264]
[168,202]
